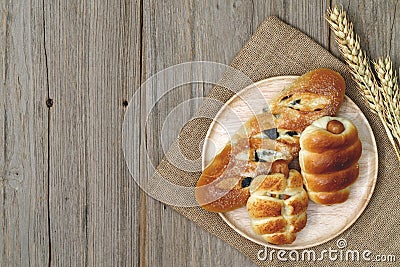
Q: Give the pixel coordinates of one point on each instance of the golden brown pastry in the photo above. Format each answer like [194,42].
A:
[268,140]
[315,94]
[221,190]
[277,206]
[330,150]
[223,185]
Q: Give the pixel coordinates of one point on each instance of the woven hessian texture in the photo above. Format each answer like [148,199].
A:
[278,49]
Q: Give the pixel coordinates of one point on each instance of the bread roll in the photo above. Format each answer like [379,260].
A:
[277,206]
[222,190]
[264,141]
[330,150]
[315,94]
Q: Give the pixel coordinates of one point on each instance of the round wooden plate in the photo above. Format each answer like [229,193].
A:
[324,222]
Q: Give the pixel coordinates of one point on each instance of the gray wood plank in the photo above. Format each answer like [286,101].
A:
[305,15]
[24,237]
[195,30]
[114,75]
[94,51]
[174,33]
[67,40]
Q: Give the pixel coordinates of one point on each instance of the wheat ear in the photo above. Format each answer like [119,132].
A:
[381,94]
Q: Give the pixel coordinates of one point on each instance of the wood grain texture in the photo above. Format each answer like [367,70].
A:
[173,33]
[93,68]
[113,76]
[67,39]
[97,54]
[182,31]
[307,16]
[24,238]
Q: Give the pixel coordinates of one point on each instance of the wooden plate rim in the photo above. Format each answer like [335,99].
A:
[328,238]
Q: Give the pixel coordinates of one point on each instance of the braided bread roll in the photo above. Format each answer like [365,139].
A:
[330,150]
[277,206]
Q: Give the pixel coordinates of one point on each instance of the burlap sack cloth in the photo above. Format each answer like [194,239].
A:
[278,49]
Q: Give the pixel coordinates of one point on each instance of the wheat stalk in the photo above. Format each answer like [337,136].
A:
[390,93]
[380,93]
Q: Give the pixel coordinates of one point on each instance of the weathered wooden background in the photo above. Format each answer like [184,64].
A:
[68,68]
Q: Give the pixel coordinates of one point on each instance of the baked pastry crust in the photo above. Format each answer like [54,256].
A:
[223,185]
[315,94]
[268,141]
[329,161]
[277,206]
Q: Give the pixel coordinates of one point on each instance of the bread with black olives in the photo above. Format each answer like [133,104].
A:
[266,142]
[315,94]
